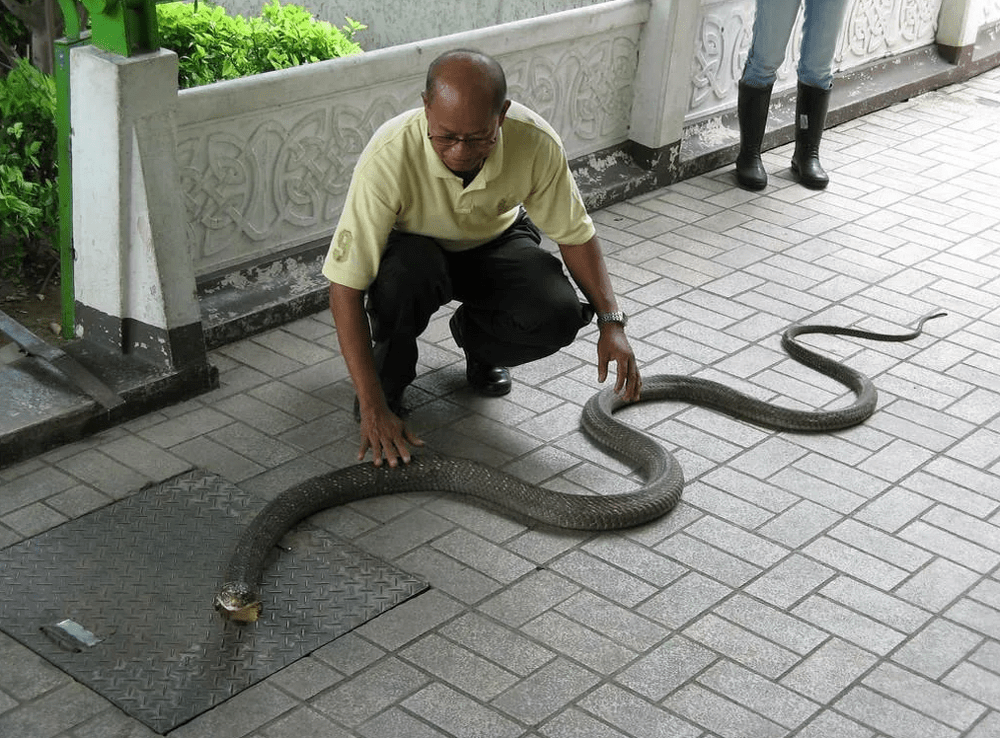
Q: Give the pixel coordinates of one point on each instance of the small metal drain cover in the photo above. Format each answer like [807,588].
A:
[121,598]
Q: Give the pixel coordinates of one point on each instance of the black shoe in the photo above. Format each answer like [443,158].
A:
[396,406]
[810,118]
[752,109]
[485,379]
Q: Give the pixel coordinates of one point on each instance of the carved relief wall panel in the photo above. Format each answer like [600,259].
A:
[276,178]
[991,12]
[873,29]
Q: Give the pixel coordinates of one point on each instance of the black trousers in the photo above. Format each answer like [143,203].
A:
[517,303]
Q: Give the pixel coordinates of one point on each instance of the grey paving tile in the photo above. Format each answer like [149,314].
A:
[665,668]
[303,721]
[829,724]
[739,542]
[925,696]
[33,519]
[396,722]
[937,584]
[149,460]
[548,691]
[574,723]
[771,700]
[305,678]
[184,427]
[950,546]
[849,625]
[368,693]
[876,604]
[529,598]
[990,725]
[245,712]
[708,560]
[500,644]
[855,562]
[56,711]
[458,715]
[889,717]
[881,545]
[452,577]
[742,646]
[607,580]
[789,581]
[410,620]
[112,722]
[33,676]
[684,600]
[482,555]
[205,453]
[103,473]
[771,623]
[937,648]
[720,715]
[829,670]
[977,616]
[800,523]
[950,493]
[578,642]
[635,716]
[459,667]
[895,508]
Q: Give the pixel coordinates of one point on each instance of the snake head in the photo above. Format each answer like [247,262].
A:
[239,602]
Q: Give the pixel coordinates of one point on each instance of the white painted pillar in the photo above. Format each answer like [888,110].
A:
[958,25]
[663,77]
[134,280]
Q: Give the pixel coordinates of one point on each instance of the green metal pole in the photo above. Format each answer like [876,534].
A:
[64,160]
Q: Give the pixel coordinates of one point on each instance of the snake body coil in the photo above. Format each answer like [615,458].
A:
[238,597]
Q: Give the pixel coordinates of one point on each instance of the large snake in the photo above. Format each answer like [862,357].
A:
[239,599]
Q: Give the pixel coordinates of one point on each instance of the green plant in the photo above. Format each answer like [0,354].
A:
[28,195]
[213,46]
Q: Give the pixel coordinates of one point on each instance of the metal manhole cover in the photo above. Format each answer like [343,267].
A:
[121,598]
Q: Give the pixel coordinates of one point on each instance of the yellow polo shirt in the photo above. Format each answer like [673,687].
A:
[399,182]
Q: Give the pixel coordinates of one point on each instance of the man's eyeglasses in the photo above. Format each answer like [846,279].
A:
[477,144]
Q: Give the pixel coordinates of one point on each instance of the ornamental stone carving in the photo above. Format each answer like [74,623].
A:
[249,184]
[276,178]
[872,30]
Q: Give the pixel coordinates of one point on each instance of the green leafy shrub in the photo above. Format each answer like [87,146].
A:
[28,196]
[212,45]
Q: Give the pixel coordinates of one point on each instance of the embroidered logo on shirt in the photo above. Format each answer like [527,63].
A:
[343,246]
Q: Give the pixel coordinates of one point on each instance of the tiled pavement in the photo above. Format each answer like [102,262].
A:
[841,585]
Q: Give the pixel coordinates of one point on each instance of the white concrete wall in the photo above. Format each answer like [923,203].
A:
[873,29]
[396,22]
[265,161]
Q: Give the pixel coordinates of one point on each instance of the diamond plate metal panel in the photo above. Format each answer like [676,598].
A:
[140,576]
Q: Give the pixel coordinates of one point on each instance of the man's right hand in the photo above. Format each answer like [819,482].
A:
[386,435]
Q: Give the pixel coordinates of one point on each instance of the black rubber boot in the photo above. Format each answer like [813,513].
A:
[810,117]
[752,109]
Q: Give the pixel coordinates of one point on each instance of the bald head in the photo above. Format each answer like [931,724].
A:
[469,74]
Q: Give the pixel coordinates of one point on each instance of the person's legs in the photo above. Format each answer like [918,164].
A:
[821,28]
[412,283]
[518,303]
[772,29]
[822,22]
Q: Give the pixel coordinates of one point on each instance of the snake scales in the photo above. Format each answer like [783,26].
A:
[238,597]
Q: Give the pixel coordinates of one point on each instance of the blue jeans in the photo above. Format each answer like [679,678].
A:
[822,21]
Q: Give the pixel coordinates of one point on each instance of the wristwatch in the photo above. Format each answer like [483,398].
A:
[618,317]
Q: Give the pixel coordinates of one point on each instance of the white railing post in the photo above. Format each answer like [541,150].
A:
[135,285]
[958,25]
[662,84]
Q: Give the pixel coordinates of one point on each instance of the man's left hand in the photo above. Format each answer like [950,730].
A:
[613,345]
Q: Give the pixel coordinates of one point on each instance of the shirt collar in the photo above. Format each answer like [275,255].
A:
[490,170]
